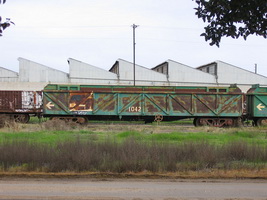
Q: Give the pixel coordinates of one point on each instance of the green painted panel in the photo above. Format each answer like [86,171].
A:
[176,101]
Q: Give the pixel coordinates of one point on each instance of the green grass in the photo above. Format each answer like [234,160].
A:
[36,120]
[55,147]
[39,137]
[149,133]
[251,137]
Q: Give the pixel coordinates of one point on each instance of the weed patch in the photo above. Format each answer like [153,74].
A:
[59,147]
[131,155]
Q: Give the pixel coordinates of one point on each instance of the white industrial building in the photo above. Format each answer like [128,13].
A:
[7,75]
[31,76]
[30,71]
[180,74]
[226,74]
[83,73]
[143,76]
[35,76]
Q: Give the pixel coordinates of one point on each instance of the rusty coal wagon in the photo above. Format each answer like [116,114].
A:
[212,106]
[20,104]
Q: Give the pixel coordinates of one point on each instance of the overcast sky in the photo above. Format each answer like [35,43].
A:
[99,32]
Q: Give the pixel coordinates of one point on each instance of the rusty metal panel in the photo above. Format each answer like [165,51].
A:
[181,104]
[105,104]
[218,105]
[9,100]
[140,89]
[81,101]
[130,104]
[156,104]
[144,101]
[20,102]
[56,103]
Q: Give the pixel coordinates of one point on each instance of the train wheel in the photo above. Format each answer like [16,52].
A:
[80,120]
[158,118]
[261,122]
[196,122]
[22,118]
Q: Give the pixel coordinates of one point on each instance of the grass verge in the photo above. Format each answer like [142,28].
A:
[144,150]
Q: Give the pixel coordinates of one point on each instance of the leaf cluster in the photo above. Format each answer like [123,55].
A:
[5,24]
[232,18]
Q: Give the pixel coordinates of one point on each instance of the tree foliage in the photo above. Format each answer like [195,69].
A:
[232,18]
[5,24]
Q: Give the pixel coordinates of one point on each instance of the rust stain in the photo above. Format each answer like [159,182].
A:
[109,100]
[105,102]
[81,101]
[20,101]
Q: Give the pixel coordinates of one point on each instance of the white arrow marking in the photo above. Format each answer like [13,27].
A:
[49,105]
[260,107]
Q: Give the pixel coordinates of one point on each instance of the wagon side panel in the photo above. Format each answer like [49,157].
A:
[218,105]
[20,102]
[56,103]
[257,102]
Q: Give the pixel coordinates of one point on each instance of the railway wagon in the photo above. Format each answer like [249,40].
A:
[222,106]
[257,105]
[20,104]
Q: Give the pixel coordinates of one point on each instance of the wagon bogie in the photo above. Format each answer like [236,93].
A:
[217,122]
[78,120]
[260,121]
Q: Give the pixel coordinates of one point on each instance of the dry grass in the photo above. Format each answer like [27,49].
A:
[130,156]
[215,174]
[8,123]
[60,125]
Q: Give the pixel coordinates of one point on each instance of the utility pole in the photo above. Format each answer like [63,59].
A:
[256,68]
[134,27]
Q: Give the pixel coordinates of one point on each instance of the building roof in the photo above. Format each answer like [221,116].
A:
[41,65]
[92,67]
[218,62]
[136,65]
[8,70]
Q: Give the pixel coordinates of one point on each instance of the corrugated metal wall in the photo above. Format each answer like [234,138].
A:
[230,74]
[84,73]
[143,76]
[30,71]
[34,76]
[8,75]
